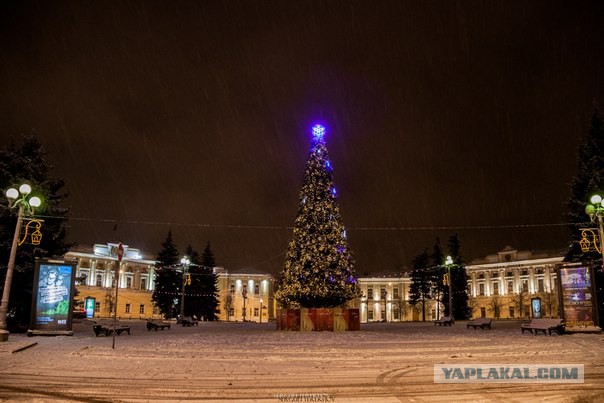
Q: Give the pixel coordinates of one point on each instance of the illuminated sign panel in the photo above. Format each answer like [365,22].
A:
[52,301]
[577,296]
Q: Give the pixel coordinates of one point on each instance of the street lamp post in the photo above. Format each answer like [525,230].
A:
[260,310]
[595,211]
[16,198]
[449,263]
[244,295]
[185,265]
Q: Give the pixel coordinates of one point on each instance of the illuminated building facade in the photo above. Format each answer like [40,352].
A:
[499,286]
[96,273]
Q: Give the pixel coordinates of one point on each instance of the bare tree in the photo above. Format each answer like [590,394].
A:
[495,305]
[228,305]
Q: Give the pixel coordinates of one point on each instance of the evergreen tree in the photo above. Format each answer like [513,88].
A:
[420,289]
[29,164]
[319,268]
[459,280]
[168,281]
[204,285]
[588,180]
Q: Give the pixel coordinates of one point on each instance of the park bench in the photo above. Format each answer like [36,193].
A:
[444,321]
[156,324]
[189,321]
[543,325]
[107,329]
[483,323]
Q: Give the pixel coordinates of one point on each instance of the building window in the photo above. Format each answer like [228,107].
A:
[231,311]
[257,289]
[496,288]
[524,285]
[232,288]
[395,314]
[383,293]
[512,312]
[483,312]
[99,280]
[481,289]
[141,308]
[97,307]
[127,308]
[256,311]
[370,314]
[370,293]
[143,283]
[395,293]
[383,315]
[128,282]
[540,286]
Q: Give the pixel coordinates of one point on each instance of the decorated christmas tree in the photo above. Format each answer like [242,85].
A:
[319,268]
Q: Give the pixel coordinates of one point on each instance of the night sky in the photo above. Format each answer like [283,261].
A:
[441,117]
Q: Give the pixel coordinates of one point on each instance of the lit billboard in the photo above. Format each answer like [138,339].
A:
[52,301]
[577,296]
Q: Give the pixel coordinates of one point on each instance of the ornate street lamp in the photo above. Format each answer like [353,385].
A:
[244,295]
[449,263]
[595,211]
[19,199]
[185,266]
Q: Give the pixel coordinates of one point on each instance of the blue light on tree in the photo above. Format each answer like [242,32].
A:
[334,192]
[318,132]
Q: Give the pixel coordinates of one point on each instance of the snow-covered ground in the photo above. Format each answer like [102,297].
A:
[254,362]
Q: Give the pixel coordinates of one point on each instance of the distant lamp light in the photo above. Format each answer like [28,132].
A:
[596,199]
[318,132]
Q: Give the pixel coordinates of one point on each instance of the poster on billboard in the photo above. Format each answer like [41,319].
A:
[577,296]
[52,300]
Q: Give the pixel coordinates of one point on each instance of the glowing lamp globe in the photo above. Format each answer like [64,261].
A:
[25,189]
[35,201]
[596,199]
[12,193]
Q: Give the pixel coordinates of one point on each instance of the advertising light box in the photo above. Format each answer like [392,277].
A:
[52,301]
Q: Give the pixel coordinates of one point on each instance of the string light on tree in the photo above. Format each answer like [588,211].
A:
[319,268]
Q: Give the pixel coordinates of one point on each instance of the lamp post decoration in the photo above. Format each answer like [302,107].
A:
[595,211]
[16,199]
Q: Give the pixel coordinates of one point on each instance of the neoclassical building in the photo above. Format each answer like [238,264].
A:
[500,285]
[96,269]
[244,294]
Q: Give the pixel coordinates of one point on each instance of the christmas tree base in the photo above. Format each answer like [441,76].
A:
[319,319]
